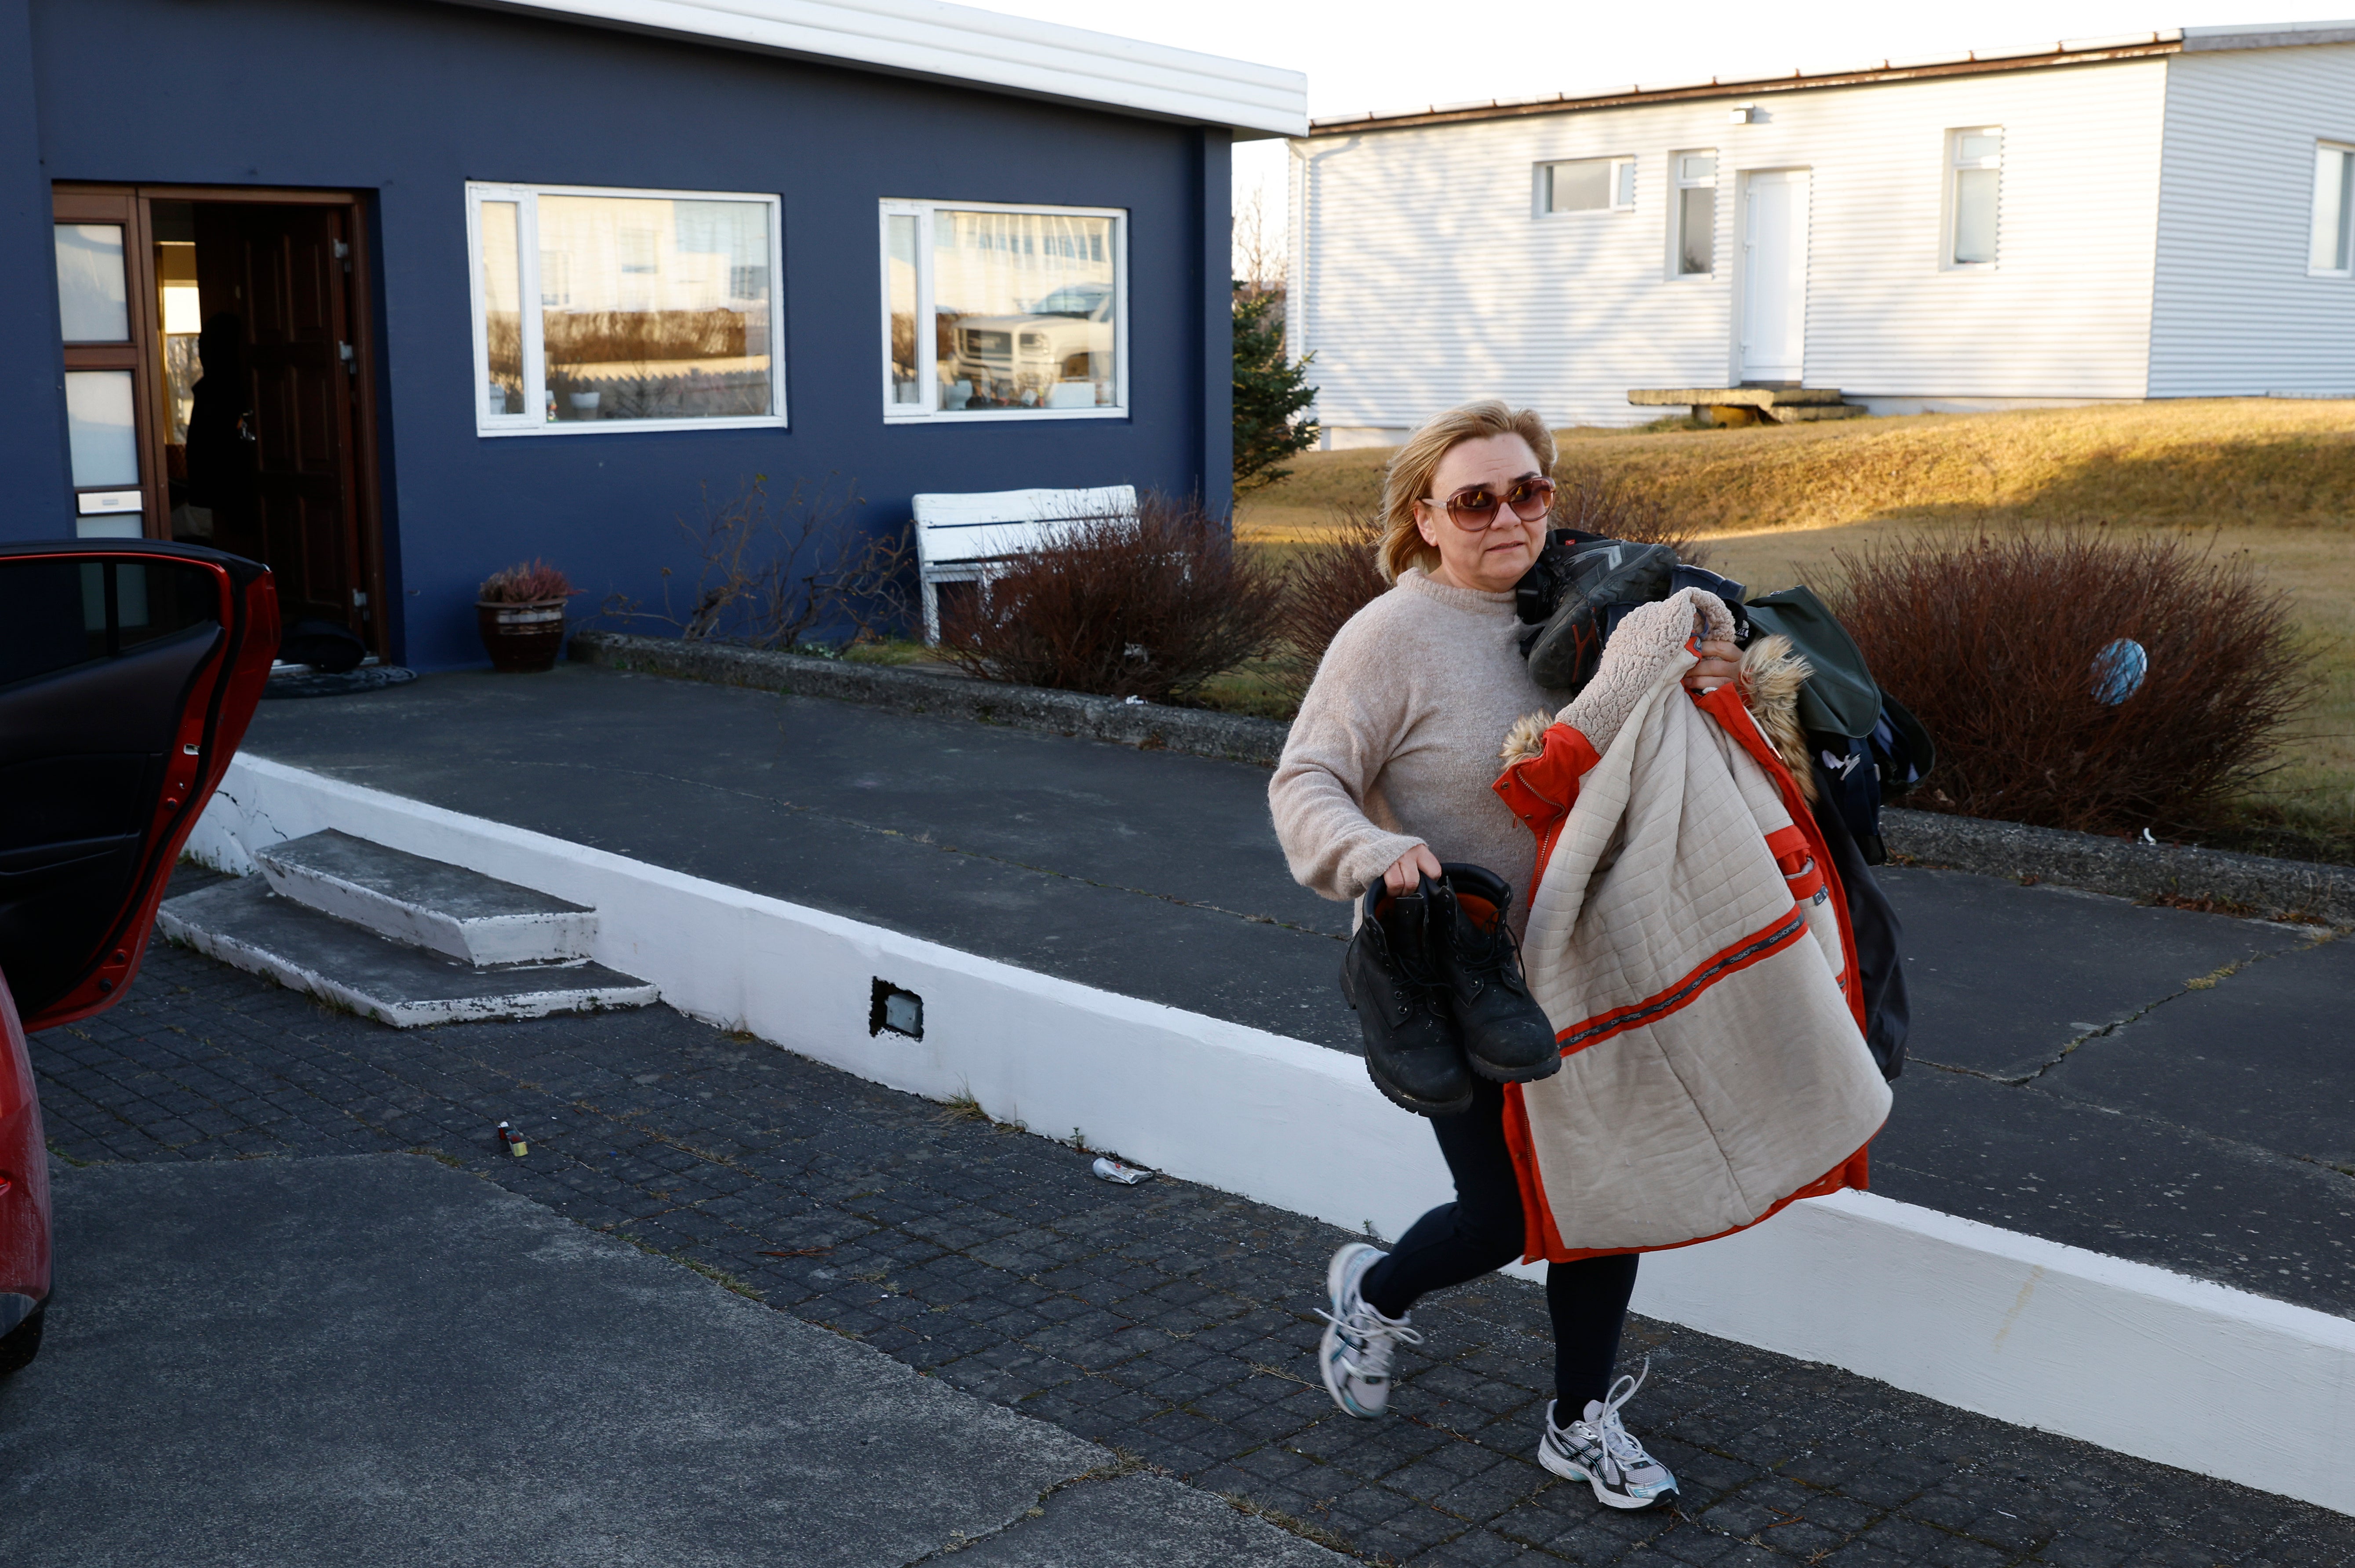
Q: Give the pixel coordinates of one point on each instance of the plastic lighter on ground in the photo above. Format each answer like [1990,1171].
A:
[2129,1356]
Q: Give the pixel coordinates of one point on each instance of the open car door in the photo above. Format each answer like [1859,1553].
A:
[129,670]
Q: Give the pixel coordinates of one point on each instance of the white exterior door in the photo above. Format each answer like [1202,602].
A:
[1775,275]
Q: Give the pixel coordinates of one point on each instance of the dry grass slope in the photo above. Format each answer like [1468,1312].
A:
[2270,483]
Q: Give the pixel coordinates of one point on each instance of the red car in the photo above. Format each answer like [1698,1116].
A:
[128,673]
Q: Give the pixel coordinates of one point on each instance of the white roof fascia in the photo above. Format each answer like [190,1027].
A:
[966,45]
[2269,36]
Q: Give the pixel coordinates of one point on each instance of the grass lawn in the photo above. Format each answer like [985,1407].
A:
[2268,481]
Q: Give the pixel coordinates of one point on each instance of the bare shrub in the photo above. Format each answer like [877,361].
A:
[1150,607]
[875,588]
[1992,643]
[765,574]
[1600,503]
[1327,581]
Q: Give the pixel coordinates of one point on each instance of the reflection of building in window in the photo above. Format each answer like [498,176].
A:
[1025,309]
[651,308]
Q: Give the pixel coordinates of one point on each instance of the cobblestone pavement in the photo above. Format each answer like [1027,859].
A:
[1171,1321]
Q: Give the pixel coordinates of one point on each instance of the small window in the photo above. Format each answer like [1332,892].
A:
[2328,254]
[652,310]
[1587,184]
[1004,311]
[1977,175]
[1695,218]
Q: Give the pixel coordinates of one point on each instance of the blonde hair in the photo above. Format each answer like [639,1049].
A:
[1408,477]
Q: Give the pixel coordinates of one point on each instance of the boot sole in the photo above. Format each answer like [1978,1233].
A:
[1419,1106]
[1494,1075]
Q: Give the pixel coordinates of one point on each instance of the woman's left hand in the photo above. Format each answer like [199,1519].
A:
[1720,662]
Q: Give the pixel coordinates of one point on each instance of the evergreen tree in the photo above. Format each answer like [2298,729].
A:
[1269,390]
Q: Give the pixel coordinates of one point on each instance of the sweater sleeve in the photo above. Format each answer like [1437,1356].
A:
[1349,725]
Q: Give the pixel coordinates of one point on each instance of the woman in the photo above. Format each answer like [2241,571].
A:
[1390,770]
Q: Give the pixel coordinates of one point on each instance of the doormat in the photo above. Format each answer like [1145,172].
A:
[318,683]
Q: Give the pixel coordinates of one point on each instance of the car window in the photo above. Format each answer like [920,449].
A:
[55,614]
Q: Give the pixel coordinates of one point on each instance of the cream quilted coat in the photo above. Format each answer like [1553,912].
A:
[1687,939]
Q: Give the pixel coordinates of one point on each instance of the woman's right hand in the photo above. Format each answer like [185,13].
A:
[1407,875]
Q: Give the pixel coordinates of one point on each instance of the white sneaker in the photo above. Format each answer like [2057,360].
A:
[1359,1341]
[1604,1455]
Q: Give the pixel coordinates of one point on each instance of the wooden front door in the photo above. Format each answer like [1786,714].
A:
[280,270]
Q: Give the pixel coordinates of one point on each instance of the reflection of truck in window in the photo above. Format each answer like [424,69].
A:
[1057,355]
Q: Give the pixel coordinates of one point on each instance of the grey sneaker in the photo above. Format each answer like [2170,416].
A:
[1359,1341]
[1604,1455]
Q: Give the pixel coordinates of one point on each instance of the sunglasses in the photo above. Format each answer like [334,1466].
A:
[1474,507]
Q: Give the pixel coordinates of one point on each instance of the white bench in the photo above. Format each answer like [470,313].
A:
[970,537]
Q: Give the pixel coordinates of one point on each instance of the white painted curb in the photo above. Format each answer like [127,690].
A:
[2122,1354]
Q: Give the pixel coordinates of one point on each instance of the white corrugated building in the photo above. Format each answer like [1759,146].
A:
[2161,216]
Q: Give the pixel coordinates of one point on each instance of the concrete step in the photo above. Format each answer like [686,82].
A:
[1731,397]
[1805,413]
[243,923]
[444,908]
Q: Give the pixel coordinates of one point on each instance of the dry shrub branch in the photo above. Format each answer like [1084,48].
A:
[1151,607]
[766,572]
[1993,642]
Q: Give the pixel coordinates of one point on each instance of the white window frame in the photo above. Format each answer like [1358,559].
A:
[1622,184]
[533,421]
[2346,211]
[927,342]
[1677,185]
[1956,164]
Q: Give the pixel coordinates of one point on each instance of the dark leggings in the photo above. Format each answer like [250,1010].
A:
[1481,1232]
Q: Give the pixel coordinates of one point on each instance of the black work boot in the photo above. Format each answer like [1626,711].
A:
[1507,1036]
[1390,977]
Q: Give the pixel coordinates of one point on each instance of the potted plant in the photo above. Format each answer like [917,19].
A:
[520,613]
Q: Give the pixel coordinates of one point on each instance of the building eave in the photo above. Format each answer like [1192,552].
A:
[961,46]
[2089,52]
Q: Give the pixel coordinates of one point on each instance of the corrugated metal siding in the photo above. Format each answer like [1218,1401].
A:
[2234,310]
[1422,278]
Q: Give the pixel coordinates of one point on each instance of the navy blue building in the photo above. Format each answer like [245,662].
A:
[390,294]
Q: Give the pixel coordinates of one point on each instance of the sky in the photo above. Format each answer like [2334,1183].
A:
[1383,54]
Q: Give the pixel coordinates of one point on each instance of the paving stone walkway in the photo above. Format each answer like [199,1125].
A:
[1173,1322]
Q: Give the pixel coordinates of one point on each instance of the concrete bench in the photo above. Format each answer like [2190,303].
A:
[971,537]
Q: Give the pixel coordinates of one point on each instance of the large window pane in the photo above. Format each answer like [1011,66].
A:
[502,283]
[654,308]
[1975,212]
[1024,309]
[1696,229]
[900,259]
[100,433]
[2334,195]
[1581,187]
[93,299]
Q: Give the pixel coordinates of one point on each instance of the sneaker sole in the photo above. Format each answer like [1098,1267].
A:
[1572,1471]
[1325,1346]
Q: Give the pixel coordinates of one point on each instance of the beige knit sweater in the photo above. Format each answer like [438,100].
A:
[1396,743]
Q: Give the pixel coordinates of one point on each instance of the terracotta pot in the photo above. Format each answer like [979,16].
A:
[522,639]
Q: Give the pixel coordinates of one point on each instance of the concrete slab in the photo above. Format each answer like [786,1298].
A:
[1151,874]
[2265,1056]
[2131,1185]
[244,924]
[2002,977]
[377,1360]
[431,904]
